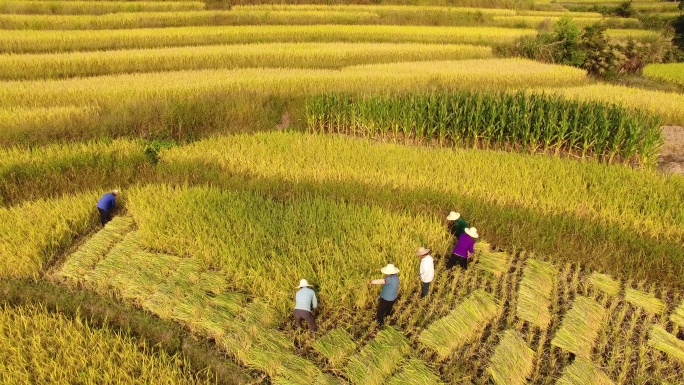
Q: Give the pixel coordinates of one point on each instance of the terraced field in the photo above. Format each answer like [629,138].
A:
[258,144]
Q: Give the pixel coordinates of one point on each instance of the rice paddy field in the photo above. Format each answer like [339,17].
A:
[255,145]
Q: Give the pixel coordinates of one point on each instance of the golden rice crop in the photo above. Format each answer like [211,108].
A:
[580,327]
[290,55]
[379,9]
[487,73]
[67,7]
[670,72]
[39,347]
[582,372]
[256,224]
[133,20]
[33,233]
[69,41]
[645,300]
[667,343]
[336,345]
[505,182]
[534,294]
[414,372]
[605,283]
[669,105]
[677,315]
[462,325]
[512,361]
[378,359]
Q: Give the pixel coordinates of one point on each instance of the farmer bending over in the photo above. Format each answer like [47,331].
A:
[304,299]
[106,205]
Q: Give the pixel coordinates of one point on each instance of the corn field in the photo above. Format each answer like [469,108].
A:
[534,122]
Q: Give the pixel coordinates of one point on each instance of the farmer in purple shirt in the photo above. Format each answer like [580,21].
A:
[464,246]
[106,205]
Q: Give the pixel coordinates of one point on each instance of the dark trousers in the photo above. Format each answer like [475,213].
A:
[457,260]
[300,315]
[104,216]
[384,309]
[425,287]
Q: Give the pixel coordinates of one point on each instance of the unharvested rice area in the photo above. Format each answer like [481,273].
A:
[40,347]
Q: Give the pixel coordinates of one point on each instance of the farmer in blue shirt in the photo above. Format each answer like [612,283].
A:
[106,205]
[304,299]
[389,292]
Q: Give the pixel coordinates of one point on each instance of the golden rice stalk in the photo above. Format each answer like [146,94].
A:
[605,283]
[462,325]
[677,315]
[512,361]
[39,347]
[583,372]
[580,327]
[336,346]
[645,300]
[378,359]
[667,343]
[415,372]
[534,295]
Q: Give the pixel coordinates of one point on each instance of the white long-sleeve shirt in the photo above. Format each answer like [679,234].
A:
[427,269]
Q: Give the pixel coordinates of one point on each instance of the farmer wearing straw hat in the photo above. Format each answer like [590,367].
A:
[304,299]
[457,224]
[106,205]
[464,246]
[389,292]
[427,270]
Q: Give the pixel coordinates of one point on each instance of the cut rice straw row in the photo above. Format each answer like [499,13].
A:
[583,372]
[512,361]
[534,295]
[678,315]
[336,346]
[580,327]
[462,325]
[415,372]
[93,250]
[378,359]
[667,343]
[604,283]
[645,300]
[491,261]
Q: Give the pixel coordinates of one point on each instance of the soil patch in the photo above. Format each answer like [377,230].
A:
[671,159]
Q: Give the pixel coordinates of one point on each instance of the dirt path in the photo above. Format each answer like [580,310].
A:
[671,159]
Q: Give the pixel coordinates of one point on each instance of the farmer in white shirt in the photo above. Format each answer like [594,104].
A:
[304,299]
[427,270]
